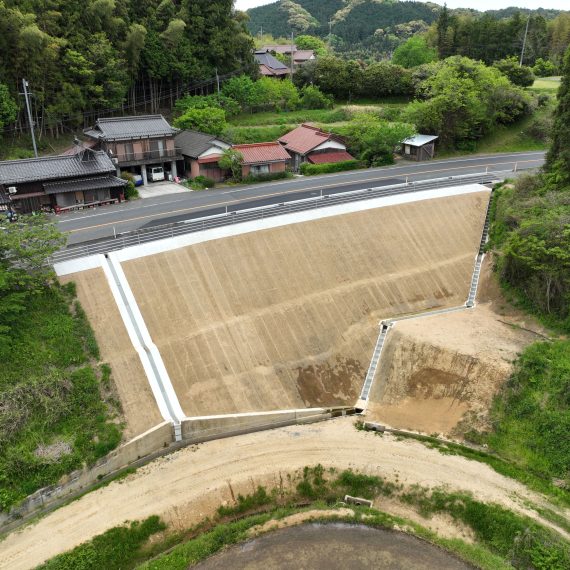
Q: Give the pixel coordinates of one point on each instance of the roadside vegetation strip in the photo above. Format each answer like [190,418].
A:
[502,538]
[58,409]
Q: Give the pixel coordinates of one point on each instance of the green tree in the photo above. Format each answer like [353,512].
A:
[544,68]
[311,42]
[558,157]
[8,107]
[232,160]
[313,98]
[385,79]
[211,120]
[520,75]
[414,52]
[463,100]
[241,90]
[25,248]
[374,140]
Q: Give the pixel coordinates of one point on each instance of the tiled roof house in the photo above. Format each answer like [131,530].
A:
[60,182]
[201,154]
[263,158]
[309,144]
[137,143]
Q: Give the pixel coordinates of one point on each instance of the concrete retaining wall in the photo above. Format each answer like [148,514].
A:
[212,427]
[147,445]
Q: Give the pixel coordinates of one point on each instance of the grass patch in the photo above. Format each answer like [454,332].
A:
[53,416]
[504,539]
[546,83]
[117,549]
[530,414]
[289,117]
[498,464]
[247,135]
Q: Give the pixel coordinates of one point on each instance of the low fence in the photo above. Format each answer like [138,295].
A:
[138,237]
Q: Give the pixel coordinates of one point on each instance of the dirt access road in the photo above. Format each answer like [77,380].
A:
[190,484]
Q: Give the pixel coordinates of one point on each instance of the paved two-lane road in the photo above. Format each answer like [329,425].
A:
[85,226]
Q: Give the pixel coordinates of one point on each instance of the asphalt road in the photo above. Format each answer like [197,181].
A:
[92,225]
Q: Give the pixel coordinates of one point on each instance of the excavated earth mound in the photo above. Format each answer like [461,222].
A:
[439,374]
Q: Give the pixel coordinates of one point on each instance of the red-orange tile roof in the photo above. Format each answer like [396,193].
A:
[305,138]
[259,153]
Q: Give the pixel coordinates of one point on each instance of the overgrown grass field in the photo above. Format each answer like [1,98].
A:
[53,416]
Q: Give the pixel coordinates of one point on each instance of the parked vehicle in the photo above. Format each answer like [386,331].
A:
[156,174]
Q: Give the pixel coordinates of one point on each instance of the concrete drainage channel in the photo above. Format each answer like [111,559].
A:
[149,355]
[385,326]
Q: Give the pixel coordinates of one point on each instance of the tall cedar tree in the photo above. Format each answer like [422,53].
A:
[558,158]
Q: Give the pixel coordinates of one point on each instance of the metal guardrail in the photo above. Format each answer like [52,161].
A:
[138,237]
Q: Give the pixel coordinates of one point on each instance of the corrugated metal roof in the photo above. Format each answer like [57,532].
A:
[126,128]
[328,157]
[82,184]
[420,140]
[304,139]
[260,153]
[194,143]
[55,167]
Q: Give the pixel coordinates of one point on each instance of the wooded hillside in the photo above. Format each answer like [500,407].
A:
[94,55]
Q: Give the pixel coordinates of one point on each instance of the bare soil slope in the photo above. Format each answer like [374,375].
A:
[287,317]
[439,374]
[137,400]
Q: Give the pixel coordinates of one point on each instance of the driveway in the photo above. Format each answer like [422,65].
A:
[156,189]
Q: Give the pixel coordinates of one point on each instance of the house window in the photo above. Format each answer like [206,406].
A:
[257,169]
[157,149]
[129,151]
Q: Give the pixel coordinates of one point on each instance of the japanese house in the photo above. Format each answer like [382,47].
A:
[140,145]
[309,144]
[270,66]
[61,183]
[200,155]
[262,158]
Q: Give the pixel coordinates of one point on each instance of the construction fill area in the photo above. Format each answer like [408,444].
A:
[287,317]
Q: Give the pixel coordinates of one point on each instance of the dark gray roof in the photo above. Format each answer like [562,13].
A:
[265,58]
[194,143]
[125,128]
[48,168]
[81,184]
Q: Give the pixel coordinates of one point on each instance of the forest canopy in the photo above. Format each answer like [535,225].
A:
[93,55]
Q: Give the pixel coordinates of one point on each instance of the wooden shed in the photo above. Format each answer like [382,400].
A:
[419,147]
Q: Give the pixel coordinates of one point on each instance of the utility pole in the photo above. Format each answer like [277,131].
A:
[292,53]
[524,41]
[30,121]
[218,80]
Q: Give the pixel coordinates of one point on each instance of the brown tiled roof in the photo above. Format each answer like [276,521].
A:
[260,153]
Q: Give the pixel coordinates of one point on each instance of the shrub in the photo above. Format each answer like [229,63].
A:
[311,169]
[211,120]
[544,68]
[202,183]
[313,98]
[130,191]
[250,179]
[540,128]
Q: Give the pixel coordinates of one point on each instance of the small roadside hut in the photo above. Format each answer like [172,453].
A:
[419,147]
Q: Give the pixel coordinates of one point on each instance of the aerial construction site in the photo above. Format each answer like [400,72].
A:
[245,353]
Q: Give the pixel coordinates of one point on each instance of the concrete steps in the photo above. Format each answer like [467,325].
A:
[374,362]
